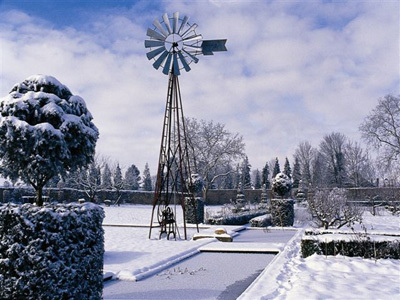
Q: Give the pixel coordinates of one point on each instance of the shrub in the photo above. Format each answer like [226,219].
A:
[331,208]
[51,252]
[282,212]
[281,185]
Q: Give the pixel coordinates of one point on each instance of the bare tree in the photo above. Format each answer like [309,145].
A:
[305,153]
[359,167]
[332,151]
[381,129]
[331,208]
[212,148]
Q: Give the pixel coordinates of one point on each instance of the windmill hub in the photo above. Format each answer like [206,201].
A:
[173,42]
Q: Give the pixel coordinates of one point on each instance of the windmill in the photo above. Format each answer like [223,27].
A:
[174,45]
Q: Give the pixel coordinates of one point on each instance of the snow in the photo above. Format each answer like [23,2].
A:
[131,255]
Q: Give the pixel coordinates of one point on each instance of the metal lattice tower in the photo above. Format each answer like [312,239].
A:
[174,45]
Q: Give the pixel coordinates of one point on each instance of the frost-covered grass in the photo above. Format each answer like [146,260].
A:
[131,255]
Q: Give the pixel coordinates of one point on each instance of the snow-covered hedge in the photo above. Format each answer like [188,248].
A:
[282,212]
[261,221]
[367,246]
[51,252]
[234,219]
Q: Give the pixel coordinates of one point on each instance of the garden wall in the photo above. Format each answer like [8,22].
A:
[214,197]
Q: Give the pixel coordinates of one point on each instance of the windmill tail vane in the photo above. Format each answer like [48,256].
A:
[174,44]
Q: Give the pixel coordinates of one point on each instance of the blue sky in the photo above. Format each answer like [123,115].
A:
[294,71]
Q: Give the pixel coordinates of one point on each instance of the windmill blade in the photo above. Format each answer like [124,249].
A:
[155,52]
[175,22]
[166,22]
[191,38]
[193,27]
[176,65]
[155,35]
[184,21]
[160,60]
[191,48]
[153,43]
[184,62]
[167,64]
[158,25]
[195,59]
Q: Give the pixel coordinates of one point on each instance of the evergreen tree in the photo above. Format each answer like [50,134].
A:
[265,175]
[117,178]
[44,131]
[257,180]
[246,178]
[296,173]
[106,182]
[147,184]
[132,178]
[237,177]
[318,175]
[277,168]
[286,169]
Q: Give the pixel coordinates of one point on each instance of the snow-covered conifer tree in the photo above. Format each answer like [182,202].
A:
[106,182]
[246,179]
[286,169]
[257,180]
[147,184]
[131,180]
[296,173]
[265,175]
[277,168]
[44,131]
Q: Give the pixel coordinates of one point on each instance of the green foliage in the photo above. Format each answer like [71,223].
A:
[54,252]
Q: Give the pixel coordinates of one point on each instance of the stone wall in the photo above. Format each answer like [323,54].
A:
[214,197]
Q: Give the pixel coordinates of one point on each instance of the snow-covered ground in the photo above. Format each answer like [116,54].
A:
[131,255]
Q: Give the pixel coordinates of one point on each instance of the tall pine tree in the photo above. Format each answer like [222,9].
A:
[286,169]
[246,178]
[265,176]
[296,173]
[106,182]
[257,180]
[277,168]
[147,184]
[131,180]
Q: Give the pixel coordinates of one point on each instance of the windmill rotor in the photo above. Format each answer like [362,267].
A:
[174,44]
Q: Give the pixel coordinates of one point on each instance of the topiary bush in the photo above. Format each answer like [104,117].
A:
[51,252]
[281,185]
[282,212]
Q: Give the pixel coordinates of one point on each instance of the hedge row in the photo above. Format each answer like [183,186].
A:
[51,252]
[363,247]
[235,219]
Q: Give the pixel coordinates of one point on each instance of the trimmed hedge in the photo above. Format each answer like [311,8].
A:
[282,212]
[51,252]
[367,248]
[235,219]
[261,221]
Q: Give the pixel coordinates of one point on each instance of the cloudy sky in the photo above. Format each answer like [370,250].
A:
[294,70]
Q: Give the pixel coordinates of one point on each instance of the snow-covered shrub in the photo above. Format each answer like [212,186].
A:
[194,213]
[234,219]
[44,131]
[261,221]
[331,208]
[353,246]
[282,212]
[51,252]
[281,185]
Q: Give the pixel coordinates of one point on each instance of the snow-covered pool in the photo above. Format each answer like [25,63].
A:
[223,272]
[203,276]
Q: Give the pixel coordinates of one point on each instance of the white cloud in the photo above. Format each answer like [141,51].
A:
[292,72]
